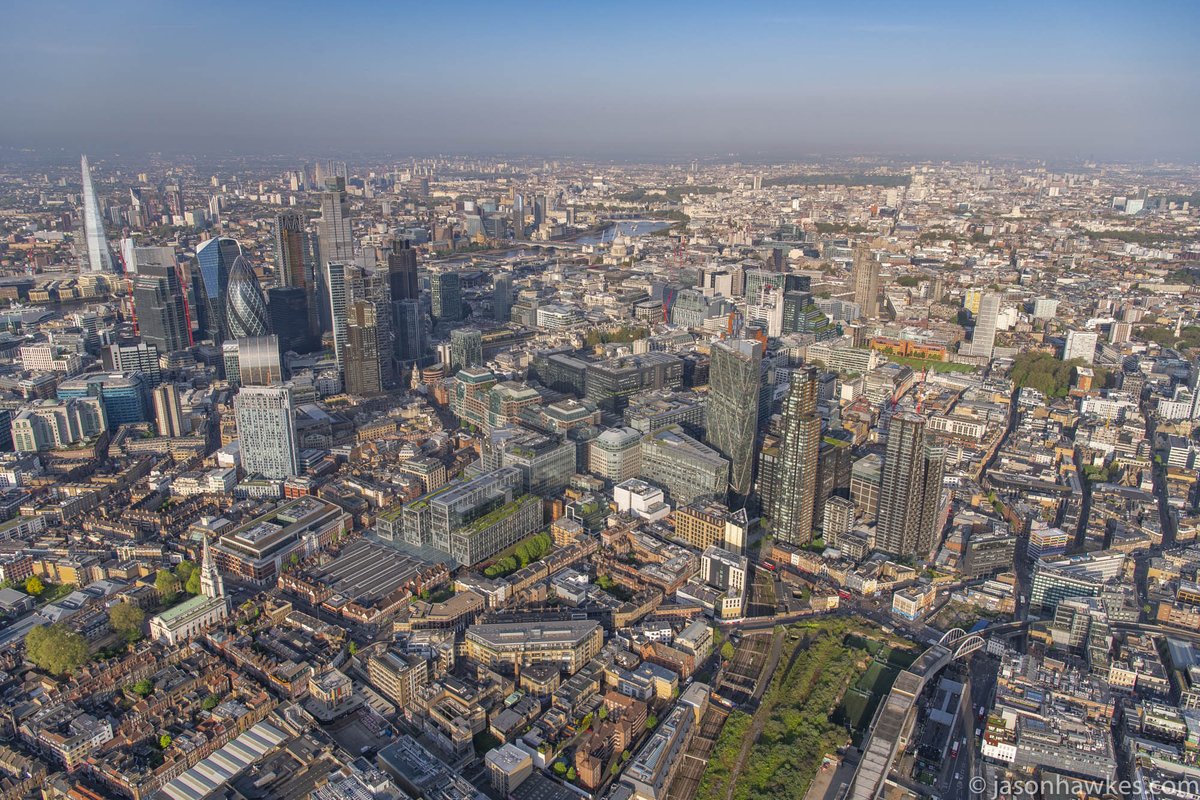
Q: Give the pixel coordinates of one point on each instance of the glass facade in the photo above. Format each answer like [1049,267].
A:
[99,254]
[215,259]
[245,308]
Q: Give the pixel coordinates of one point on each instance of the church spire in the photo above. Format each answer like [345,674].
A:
[211,583]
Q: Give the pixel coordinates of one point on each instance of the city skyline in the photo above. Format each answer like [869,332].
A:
[937,80]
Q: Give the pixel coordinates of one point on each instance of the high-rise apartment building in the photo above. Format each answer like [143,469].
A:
[910,497]
[866,281]
[983,340]
[799,445]
[99,253]
[267,431]
[362,364]
[733,399]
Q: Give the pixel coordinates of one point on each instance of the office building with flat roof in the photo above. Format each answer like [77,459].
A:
[686,468]
[568,644]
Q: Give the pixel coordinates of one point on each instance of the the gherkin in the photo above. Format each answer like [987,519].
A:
[245,307]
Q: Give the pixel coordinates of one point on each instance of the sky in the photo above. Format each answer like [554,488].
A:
[655,79]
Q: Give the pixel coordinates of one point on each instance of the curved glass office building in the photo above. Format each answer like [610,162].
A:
[215,259]
[245,307]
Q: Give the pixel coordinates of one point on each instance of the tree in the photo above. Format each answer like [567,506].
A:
[126,619]
[560,768]
[164,741]
[353,648]
[142,688]
[571,774]
[210,702]
[603,712]
[34,586]
[56,648]
[184,570]
[193,583]
[727,651]
[651,722]
[167,585]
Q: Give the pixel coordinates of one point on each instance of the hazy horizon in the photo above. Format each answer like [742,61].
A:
[762,81]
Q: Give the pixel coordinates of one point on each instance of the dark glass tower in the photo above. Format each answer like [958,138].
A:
[408,329]
[294,262]
[159,302]
[288,310]
[446,297]
[402,271]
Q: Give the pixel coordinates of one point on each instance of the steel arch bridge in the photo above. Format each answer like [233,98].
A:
[897,713]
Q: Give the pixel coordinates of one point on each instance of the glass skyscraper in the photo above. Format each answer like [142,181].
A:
[335,241]
[245,308]
[294,264]
[288,309]
[339,278]
[215,258]
[733,398]
[402,271]
[159,304]
[408,329]
[99,254]
[446,297]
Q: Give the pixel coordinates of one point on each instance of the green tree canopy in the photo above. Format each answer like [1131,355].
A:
[1049,375]
[167,585]
[184,570]
[126,619]
[193,583]
[34,586]
[56,648]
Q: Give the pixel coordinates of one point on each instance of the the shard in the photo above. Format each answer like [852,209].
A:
[99,255]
